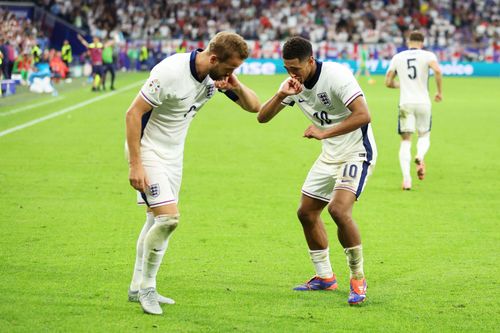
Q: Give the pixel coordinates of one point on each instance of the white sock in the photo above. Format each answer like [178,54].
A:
[355,261]
[321,262]
[137,277]
[423,144]
[155,244]
[405,158]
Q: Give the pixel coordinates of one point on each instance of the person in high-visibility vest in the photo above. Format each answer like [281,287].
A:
[95,50]
[143,55]
[108,64]
[181,48]
[36,52]
[67,55]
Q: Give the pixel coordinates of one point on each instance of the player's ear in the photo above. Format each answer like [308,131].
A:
[213,59]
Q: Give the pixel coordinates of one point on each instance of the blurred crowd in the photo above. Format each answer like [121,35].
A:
[25,56]
[145,31]
[468,27]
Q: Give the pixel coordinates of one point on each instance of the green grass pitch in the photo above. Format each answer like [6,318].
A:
[69,222]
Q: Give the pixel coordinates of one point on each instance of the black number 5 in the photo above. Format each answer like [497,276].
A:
[413,68]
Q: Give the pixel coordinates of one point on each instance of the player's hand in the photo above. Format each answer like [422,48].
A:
[137,178]
[313,132]
[290,87]
[231,82]
[438,97]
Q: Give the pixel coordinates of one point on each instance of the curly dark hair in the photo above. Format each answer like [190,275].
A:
[297,47]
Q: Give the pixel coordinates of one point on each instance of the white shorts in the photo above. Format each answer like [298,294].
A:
[164,182]
[324,178]
[414,117]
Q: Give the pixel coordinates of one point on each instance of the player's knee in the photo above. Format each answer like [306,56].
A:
[305,216]
[339,214]
[301,214]
[167,222]
[423,134]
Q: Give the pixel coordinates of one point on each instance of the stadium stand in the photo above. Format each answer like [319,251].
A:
[465,30]
[457,31]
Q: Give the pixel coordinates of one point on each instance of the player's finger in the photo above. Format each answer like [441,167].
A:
[135,184]
[143,187]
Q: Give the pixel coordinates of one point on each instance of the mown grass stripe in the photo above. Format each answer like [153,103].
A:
[66,110]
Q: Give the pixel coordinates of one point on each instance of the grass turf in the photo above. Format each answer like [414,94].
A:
[69,223]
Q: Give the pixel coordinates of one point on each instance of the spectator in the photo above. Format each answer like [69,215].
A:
[58,67]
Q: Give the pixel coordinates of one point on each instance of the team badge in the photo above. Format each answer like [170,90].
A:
[154,190]
[324,99]
[210,90]
[154,86]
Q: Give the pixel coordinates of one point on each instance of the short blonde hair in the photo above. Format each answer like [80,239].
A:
[227,44]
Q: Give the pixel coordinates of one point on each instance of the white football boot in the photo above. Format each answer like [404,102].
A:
[133,296]
[149,301]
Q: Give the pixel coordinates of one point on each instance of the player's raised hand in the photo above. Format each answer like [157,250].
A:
[313,132]
[438,97]
[137,178]
[291,87]
[231,82]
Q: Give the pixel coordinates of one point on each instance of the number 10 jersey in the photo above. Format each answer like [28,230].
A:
[325,100]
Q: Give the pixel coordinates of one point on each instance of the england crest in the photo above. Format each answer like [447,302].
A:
[154,190]
[210,90]
[323,97]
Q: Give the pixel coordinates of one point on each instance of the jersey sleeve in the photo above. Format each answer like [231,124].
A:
[392,65]
[345,87]
[154,91]
[230,94]
[431,57]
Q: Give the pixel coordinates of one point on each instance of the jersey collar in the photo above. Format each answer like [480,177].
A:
[309,84]
[192,64]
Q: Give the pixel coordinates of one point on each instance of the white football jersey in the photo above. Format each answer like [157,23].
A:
[176,94]
[412,67]
[324,100]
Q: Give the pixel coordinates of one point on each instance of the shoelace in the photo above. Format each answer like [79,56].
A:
[308,283]
[150,296]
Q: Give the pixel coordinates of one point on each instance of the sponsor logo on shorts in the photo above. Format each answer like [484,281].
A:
[362,155]
[154,190]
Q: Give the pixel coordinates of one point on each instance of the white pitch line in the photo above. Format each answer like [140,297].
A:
[66,110]
[24,108]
